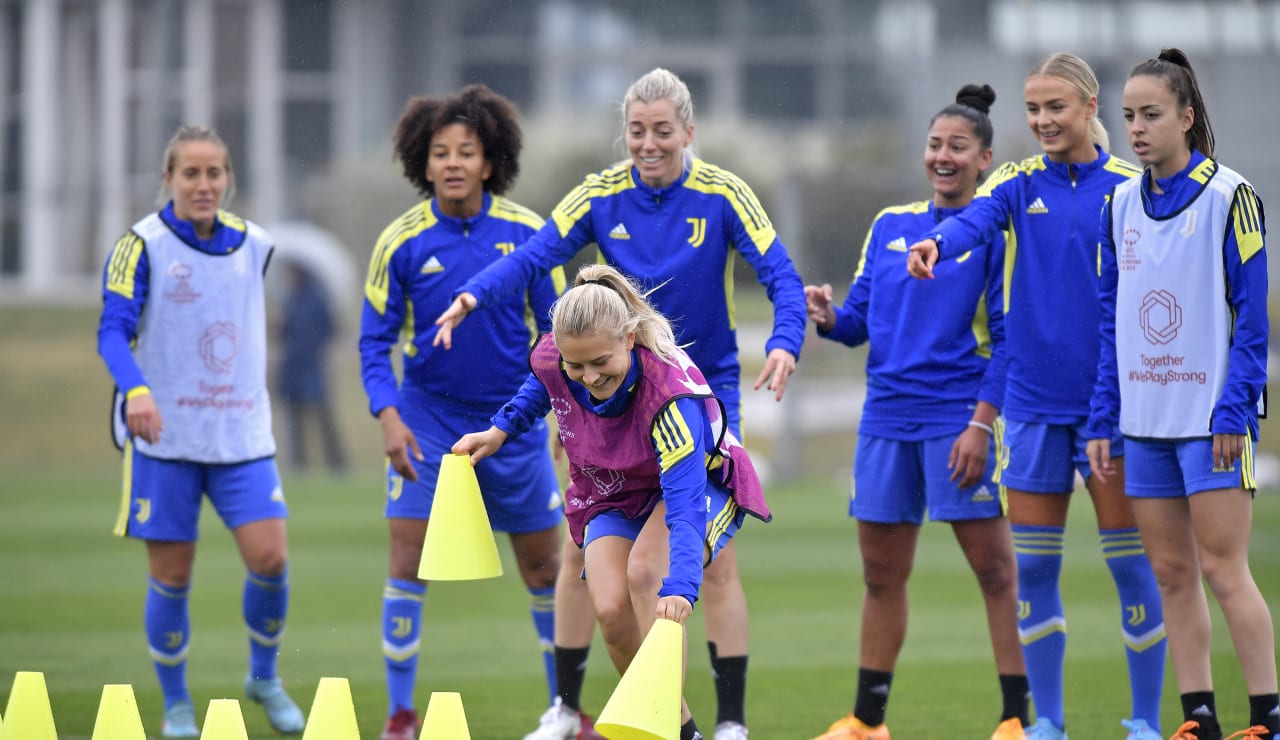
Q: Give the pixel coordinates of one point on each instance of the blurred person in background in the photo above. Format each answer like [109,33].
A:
[926,439]
[650,459]
[306,332]
[673,223]
[1188,236]
[1051,203]
[462,153]
[183,334]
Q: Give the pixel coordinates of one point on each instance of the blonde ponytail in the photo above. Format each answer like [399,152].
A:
[603,301]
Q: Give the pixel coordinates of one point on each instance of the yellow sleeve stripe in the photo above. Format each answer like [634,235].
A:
[577,204]
[124,265]
[508,210]
[413,222]
[407,331]
[558,280]
[671,437]
[141,390]
[707,178]
[1246,219]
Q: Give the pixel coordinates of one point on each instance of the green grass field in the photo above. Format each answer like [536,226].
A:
[71,594]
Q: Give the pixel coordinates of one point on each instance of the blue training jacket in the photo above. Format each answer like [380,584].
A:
[676,241]
[1051,308]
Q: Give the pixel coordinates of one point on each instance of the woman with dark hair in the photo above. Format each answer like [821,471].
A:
[926,440]
[1187,239]
[461,152]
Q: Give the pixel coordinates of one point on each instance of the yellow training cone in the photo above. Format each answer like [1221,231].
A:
[118,717]
[28,715]
[646,703]
[333,715]
[459,545]
[224,721]
[445,719]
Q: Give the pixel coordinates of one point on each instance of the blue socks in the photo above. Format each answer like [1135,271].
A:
[168,634]
[1142,620]
[542,606]
[401,639]
[1040,622]
[266,600]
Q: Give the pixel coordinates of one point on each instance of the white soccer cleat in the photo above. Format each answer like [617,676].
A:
[557,723]
[730,731]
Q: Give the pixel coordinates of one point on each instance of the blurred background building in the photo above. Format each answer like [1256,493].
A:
[821,104]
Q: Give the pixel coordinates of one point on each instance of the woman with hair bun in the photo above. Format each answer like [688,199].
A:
[935,384]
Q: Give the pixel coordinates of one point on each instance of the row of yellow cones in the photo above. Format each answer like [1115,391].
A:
[644,706]
[29,715]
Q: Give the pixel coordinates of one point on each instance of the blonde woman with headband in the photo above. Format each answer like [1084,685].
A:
[650,459]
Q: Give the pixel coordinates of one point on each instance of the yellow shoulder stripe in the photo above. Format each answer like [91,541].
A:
[1246,219]
[1203,171]
[708,178]
[231,220]
[577,204]
[1003,174]
[1121,167]
[123,265]
[509,210]
[413,222]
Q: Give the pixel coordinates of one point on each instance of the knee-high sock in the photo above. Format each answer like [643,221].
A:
[542,607]
[1142,619]
[1040,619]
[266,602]
[401,638]
[168,635]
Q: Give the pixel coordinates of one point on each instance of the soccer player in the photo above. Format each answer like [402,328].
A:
[672,222]
[1051,315]
[183,334]
[934,390]
[461,152]
[1182,377]
[647,446]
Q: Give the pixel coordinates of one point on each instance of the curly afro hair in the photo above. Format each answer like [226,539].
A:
[490,115]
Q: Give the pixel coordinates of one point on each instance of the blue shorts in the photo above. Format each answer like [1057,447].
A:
[161,498]
[1044,458]
[518,484]
[896,481]
[724,519]
[1175,468]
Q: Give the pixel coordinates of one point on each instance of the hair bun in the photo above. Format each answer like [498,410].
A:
[978,97]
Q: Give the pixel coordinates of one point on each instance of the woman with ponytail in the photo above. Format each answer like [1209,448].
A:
[1182,376]
[934,390]
[648,447]
[1051,203]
